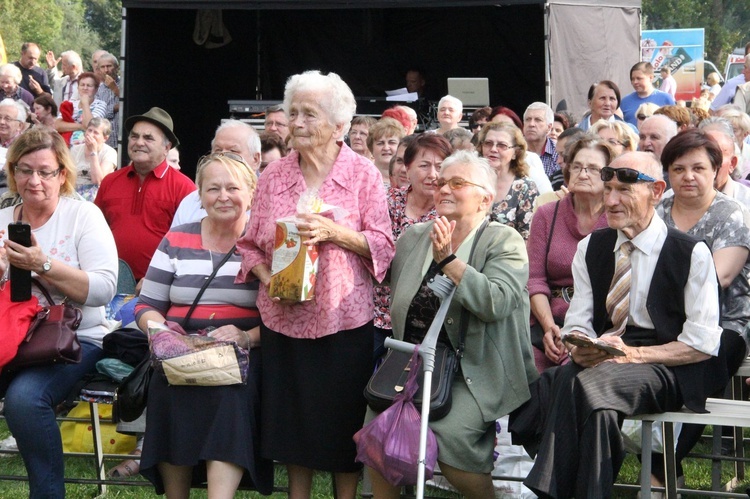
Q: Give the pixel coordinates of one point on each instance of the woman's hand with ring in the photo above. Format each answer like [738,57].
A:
[318,228]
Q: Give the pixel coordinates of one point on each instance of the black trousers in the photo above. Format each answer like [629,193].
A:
[581,448]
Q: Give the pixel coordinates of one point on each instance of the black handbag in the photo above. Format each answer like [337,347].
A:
[390,378]
[132,393]
[51,338]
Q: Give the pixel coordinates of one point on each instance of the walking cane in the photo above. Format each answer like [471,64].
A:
[443,288]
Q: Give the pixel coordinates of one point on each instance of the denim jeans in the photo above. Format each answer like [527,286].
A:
[30,402]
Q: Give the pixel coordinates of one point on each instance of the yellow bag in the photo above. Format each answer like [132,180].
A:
[78,436]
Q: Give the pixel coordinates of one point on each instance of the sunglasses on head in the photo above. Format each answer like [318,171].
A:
[203,160]
[625,175]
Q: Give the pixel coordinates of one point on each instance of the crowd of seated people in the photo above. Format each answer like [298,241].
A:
[523,210]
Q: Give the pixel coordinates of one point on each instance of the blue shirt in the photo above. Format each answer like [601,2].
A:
[630,103]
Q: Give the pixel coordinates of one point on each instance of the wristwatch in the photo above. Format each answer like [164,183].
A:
[47,266]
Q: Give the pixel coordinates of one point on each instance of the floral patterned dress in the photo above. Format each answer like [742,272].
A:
[517,208]
[400,221]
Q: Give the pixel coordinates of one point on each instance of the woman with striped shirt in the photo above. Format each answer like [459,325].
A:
[199,433]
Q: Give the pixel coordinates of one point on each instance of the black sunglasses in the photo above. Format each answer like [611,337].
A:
[625,175]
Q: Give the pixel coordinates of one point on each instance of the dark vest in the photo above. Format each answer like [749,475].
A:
[665,305]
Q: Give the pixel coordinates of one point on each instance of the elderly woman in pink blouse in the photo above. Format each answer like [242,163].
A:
[317,355]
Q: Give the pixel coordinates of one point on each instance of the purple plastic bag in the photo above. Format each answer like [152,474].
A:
[389,444]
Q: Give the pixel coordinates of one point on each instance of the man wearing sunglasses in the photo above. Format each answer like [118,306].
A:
[650,293]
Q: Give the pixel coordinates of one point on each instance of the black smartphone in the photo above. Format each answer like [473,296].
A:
[20,279]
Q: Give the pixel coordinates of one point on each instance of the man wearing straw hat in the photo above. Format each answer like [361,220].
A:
[140,200]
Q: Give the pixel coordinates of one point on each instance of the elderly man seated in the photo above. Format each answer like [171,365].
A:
[651,293]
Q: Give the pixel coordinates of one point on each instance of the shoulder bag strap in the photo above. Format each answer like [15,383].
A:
[205,285]
[549,236]
[464,322]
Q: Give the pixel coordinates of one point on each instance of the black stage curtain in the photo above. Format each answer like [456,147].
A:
[369,48]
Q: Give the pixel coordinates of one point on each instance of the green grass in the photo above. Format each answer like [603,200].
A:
[697,472]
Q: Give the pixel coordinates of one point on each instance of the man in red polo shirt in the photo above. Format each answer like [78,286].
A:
[140,200]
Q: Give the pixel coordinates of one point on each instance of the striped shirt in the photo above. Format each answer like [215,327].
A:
[178,270]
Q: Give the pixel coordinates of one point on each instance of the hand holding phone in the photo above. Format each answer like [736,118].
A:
[20,279]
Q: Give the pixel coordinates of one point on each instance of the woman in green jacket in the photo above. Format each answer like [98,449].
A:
[497,363]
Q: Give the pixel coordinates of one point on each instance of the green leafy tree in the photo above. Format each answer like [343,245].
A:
[39,21]
[105,18]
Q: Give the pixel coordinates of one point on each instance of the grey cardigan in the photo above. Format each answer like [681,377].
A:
[498,363]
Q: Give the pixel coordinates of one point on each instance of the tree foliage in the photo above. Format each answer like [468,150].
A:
[58,25]
[105,18]
[725,22]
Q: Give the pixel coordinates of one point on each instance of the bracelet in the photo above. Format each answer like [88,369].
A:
[247,339]
[448,259]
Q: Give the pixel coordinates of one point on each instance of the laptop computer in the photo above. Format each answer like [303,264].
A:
[472,92]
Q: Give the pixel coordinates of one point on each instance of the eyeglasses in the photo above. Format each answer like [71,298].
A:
[591,170]
[29,172]
[455,183]
[641,116]
[502,146]
[625,175]
[8,119]
[614,142]
[474,126]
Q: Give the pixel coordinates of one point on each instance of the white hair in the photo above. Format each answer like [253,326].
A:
[718,124]
[12,71]
[670,127]
[23,110]
[253,140]
[72,58]
[449,98]
[549,115]
[487,176]
[335,97]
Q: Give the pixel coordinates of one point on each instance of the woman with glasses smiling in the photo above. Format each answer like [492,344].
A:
[556,230]
[73,254]
[488,264]
[503,145]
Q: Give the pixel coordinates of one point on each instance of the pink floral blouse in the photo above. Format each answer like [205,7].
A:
[344,286]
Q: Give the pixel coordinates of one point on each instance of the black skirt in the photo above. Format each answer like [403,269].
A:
[189,425]
[313,401]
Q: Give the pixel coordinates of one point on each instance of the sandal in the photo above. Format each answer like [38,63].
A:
[127,468]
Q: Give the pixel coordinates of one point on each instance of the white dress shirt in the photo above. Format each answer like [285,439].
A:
[701,329]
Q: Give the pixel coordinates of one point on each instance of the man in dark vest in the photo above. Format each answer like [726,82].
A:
[652,293]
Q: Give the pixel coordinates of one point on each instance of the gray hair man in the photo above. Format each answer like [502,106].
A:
[654,134]
[64,82]
[537,123]
[107,67]
[628,298]
[232,137]
[276,121]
